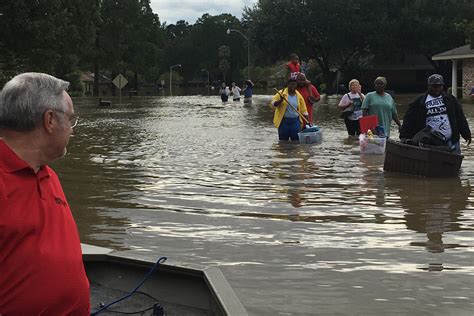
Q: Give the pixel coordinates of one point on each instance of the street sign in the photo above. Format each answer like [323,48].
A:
[120,81]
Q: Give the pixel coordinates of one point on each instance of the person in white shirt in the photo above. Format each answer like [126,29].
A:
[224,92]
[440,111]
[350,105]
[235,92]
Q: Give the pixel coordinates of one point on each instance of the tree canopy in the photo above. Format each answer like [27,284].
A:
[342,34]
[66,38]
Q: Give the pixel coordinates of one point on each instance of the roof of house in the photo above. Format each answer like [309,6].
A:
[89,77]
[462,52]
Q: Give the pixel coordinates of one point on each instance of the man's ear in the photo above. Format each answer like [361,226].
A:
[48,121]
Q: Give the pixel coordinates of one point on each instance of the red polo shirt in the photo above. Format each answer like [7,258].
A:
[41,269]
[305,93]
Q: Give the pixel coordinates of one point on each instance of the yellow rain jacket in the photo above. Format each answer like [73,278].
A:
[281,109]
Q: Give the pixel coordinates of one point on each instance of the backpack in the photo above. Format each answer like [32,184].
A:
[430,138]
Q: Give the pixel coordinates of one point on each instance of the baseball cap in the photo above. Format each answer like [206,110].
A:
[435,79]
[293,76]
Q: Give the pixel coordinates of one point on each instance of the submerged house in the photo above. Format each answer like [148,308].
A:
[105,84]
[406,75]
[465,56]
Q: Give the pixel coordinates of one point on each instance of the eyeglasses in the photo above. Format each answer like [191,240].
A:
[72,117]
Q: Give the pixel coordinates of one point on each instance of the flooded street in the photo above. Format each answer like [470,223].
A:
[296,229]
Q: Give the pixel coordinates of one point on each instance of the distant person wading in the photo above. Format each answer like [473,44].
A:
[235,90]
[224,92]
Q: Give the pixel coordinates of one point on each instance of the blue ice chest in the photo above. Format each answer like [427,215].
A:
[312,135]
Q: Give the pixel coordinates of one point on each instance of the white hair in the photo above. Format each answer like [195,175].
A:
[353,81]
[25,98]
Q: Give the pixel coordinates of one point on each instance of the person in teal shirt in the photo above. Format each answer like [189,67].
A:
[381,103]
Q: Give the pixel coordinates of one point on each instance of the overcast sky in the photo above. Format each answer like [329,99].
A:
[190,10]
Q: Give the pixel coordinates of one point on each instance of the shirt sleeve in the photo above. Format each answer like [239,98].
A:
[366,103]
[276,97]
[344,101]
[408,129]
[302,105]
[315,92]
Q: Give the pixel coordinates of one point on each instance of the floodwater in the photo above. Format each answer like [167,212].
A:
[296,229]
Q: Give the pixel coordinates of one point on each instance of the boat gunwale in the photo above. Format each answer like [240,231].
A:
[220,290]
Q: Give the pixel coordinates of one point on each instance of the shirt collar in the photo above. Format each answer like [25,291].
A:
[10,162]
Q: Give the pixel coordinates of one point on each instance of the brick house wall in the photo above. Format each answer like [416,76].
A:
[467,76]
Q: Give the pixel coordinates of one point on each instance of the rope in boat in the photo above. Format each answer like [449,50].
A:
[158,262]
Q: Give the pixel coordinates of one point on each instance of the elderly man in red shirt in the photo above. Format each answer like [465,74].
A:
[309,93]
[41,268]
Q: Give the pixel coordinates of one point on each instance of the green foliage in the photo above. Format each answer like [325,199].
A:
[468,28]
[224,67]
[76,86]
[177,78]
[332,32]
[224,64]
[51,36]
[64,38]
[130,37]
[196,46]
[314,71]
[178,31]
[224,52]
[260,74]
[322,88]
[348,35]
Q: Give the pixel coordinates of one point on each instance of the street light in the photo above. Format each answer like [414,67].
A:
[205,70]
[171,77]
[248,47]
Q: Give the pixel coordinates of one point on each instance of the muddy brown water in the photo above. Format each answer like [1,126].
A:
[296,229]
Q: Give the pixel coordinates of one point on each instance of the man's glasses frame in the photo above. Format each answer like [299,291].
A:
[72,117]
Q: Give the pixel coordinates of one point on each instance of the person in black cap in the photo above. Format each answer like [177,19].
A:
[438,110]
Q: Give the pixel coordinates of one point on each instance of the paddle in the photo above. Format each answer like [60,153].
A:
[301,115]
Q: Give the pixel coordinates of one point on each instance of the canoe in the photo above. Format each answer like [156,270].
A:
[178,290]
[421,161]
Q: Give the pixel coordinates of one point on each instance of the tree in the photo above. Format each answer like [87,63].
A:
[316,33]
[130,39]
[470,33]
[178,31]
[177,78]
[424,28]
[346,35]
[224,55]
[196,46]
[468,28]
[47,36]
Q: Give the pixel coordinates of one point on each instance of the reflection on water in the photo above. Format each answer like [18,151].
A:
[434,216]
[292,166]
[294,227]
